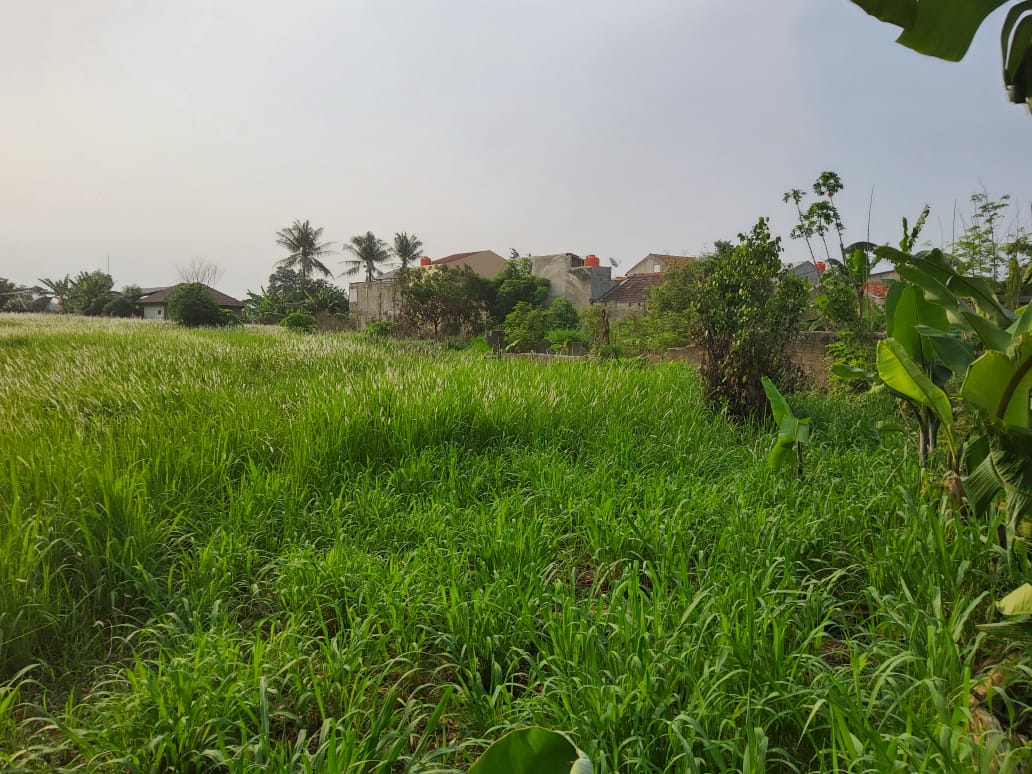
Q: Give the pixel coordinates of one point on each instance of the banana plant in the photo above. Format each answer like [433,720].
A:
[945,29]
[953,311]
[1017,609]
[923,350]
[532,751]
[998,385]
[793,431]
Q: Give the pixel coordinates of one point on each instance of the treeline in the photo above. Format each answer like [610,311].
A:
[90,293]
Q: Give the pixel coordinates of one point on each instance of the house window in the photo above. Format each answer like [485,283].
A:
[656,267]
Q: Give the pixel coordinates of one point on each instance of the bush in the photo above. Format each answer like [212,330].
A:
[563,315]
[610,352]
[559,338]
[231,318]
[191,305]
[299,321]
[380,329]
[747,309]
[525,327]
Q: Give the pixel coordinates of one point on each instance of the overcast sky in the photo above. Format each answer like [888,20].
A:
[152,132]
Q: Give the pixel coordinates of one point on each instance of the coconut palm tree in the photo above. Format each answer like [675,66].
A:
[302,240]
[367,251]
[407,249]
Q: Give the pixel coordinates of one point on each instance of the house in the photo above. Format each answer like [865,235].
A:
[630,296]
[155,302]
[380,299]
[581,281]
[809,270]
[657,263]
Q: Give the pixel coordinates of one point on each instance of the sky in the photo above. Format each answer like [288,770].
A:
[141,135]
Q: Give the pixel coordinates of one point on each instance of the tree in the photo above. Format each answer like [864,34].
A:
[982,248]
[444,301]
[90,292]
[287,291]
[200,270]
[746,310]
[192,305]
[562,315]
[407,248]
[124,304]
[515,283]
[302,240]
[946,29]
[368,253]
[526,327]
[821,216]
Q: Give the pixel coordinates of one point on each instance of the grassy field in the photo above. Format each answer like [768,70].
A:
[253,550]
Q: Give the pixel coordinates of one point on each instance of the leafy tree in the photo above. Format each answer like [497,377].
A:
[562,315]
[516,283]
[302,240]
[367,253]
[192,305]
[526,327]
[407,248]
[946,29]
[124,304]
[444,301]
[90,292]
[287,291]
[747,309]
[671,305]
[821,216]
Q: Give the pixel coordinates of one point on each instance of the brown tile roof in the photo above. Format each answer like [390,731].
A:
[162,297]
[876,289]
[633,290]
[456,257]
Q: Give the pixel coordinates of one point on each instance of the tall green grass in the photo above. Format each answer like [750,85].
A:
[254,550]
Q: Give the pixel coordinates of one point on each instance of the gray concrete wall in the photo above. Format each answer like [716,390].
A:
[569,278]
[371,301]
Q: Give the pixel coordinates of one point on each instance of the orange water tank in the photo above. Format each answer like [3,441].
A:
[425,261]
[591,260]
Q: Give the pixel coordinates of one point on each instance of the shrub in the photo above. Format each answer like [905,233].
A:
[526,326]
[231,318]
[380,329]
[748,308]
[191,305]
[563,315]
[299,321]
[610,352]
[559,338]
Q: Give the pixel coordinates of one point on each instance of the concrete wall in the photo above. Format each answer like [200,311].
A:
[371,301]
[155,312]
[809,352]
[569,278]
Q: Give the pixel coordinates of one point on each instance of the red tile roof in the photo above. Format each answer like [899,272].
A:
[162,297]
[633,290]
